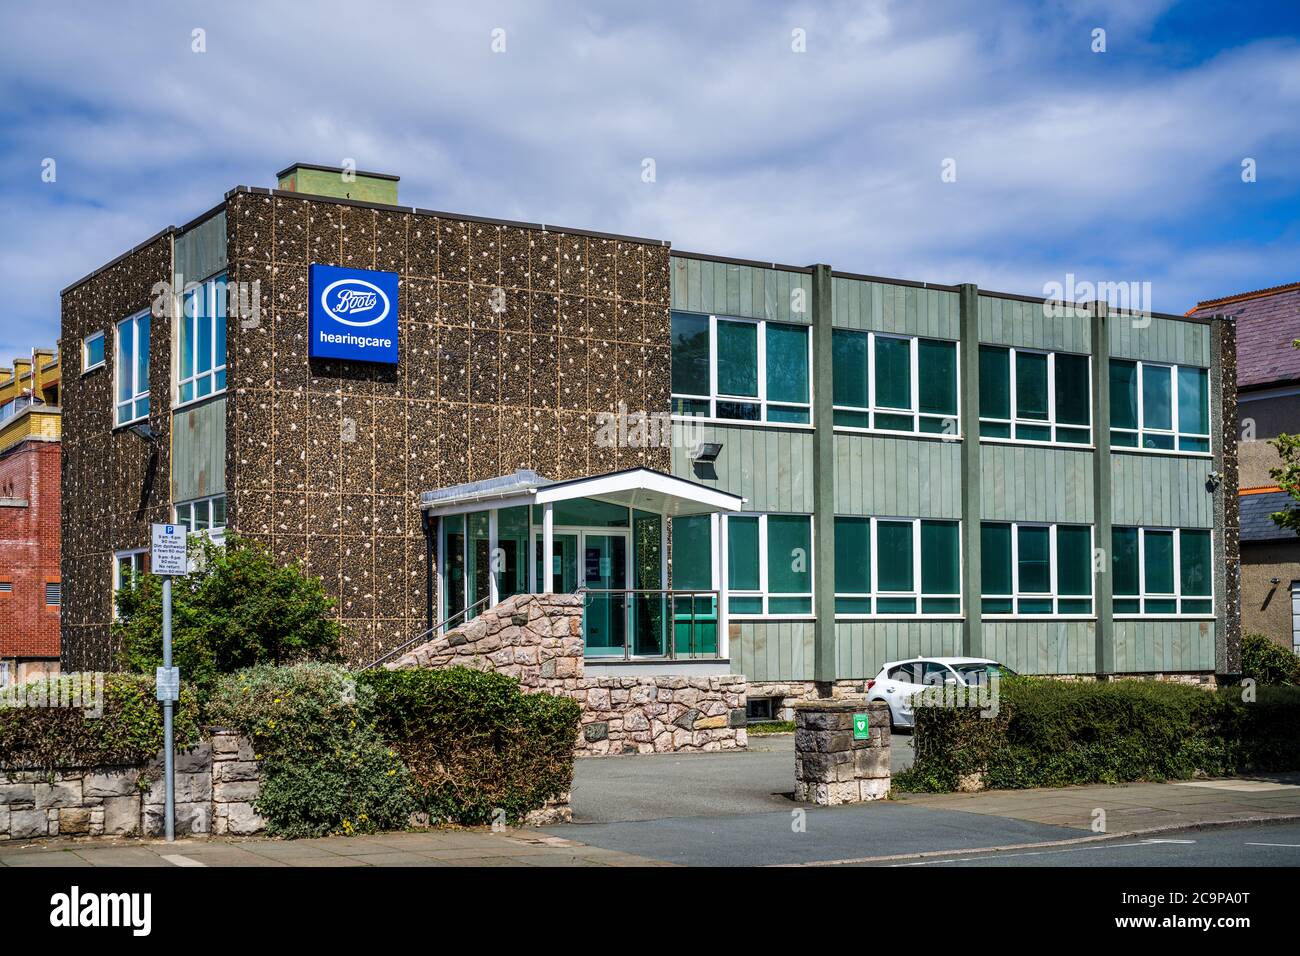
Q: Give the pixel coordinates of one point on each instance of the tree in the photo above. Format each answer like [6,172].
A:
[237,608]
[1288,475]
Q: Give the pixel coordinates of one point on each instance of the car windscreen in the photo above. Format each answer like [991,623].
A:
[975,674]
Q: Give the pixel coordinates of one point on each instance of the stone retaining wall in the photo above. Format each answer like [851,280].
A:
[216,784]
[537,638]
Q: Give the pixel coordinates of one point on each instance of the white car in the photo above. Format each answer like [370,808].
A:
[898,681]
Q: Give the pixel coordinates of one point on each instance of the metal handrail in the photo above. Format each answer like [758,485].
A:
[423,636]
[670,637]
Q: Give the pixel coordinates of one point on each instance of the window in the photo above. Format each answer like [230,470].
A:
[203,516]
[1162,571]
[894,383]
[92,351]
[201,344]
[741,369]
[1035,568]
[915,560]
[128,565]
[14,406]
[1035,396]
[769,564]
[1159,407]
[53,593]
[133,369]
[762,709]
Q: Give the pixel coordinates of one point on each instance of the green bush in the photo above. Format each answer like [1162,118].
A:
[129,731]
[1267,662]
[1050,733]
[324,767]
[474,742]
[238,608]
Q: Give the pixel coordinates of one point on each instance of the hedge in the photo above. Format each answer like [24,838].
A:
[129,731]
[1049,733]
[474,742]
[1266,662]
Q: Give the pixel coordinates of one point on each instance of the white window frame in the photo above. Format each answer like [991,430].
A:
[86,365]
[1177,595]
[1054,594]
[763,591]
[1173,430]
[916,592]
[216,533]
[1016,420]
[137,562]
[761,400]
[131,369]
[208,289]
[874,407]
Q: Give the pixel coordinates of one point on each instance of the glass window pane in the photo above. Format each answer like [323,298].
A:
[737,358]
[783,413]
[894,556]
[893,372]
[142,355]
[778,605]
[187,336]
[219,321]
[1072,393]
[937,376]
[1193,401]
[219,512]
[1035,560]
[1073,559]
[849,368]
[789,554]
[1194,555]
[692,553]
[125,360]
[1123,394]
[787,363]
[1124,560]
[742,553]
[204,357]
[94,350]
[995,383]
[1156,399]
[940,558]
[995,559]
[853,555]
[690,353]
[1031,386]
[183,516]
[1158,551]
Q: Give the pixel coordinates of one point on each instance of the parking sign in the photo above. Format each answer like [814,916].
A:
[168,553]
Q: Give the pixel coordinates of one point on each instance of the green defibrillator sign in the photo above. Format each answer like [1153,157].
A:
[861,728]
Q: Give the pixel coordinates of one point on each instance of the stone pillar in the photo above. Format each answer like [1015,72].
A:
[833,764]
[236,784]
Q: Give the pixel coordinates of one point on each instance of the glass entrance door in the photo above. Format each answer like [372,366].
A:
[604,567]
[564,563]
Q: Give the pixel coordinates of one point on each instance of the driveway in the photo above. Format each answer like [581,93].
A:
[653,786]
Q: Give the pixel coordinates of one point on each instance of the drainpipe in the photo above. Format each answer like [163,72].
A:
[428,522]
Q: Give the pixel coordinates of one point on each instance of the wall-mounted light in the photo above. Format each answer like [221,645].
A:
[1275,581]
[145,433]
[706,451]
[1213,480]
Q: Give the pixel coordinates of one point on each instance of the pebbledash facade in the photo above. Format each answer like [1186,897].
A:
[747,468]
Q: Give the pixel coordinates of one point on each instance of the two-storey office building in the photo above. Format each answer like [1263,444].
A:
[792,473]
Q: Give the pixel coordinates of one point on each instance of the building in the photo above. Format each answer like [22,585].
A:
[1268,404]
[789,449]
[30,582]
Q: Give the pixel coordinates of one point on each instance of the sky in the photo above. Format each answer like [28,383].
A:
[949,142]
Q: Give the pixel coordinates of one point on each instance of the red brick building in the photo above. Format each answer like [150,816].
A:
[30,585]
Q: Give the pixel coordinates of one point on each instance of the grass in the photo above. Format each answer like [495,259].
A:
[769,727]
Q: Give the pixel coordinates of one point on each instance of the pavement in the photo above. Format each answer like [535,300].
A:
[737,809]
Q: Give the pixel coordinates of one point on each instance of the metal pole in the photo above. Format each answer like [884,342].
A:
[169,768]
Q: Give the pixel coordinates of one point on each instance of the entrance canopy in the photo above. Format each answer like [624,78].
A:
[641,488]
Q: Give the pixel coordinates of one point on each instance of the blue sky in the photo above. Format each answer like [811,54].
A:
[1115,166]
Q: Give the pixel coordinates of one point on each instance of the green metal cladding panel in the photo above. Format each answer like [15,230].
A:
[199,450]
[1148,647]
[1011,322]
[772,650]
[1161,490]
[772,467]
[1027,483]
[1159,340]
[722,288]
[864,646]
[879,476]
[1042,647]
[201,252]
[883,307]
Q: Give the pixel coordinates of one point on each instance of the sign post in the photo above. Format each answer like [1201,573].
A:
[168,559]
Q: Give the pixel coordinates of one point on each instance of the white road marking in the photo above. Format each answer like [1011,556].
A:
[1071,849]
[175,859]
[1274,844]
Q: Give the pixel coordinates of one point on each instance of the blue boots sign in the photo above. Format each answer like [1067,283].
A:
[353,314]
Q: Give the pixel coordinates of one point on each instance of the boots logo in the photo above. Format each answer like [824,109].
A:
[355,302]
